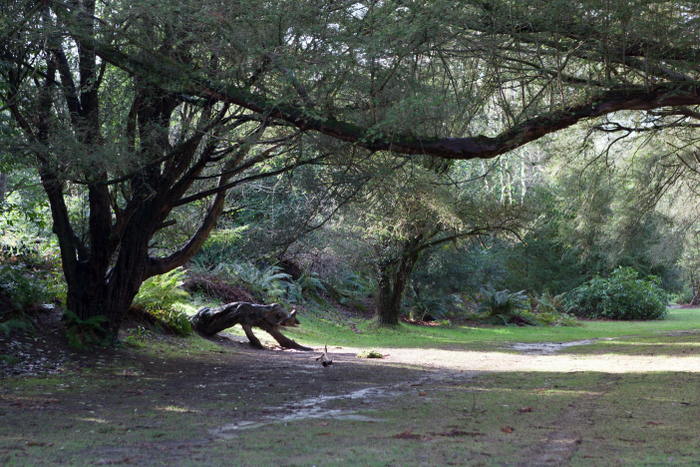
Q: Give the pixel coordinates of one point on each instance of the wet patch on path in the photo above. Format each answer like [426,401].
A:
[325,406]
[548,348]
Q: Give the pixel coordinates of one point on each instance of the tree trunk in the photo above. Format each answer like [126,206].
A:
[392,283]
[269,318]
[695,286]
[95,288]
[3,187]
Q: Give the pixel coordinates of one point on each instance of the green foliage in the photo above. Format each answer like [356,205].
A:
[14,324]
[549,310]
[267,285]
[175,320]
[163,291]
[623,296]
[83,334]
[10,359]
[351,289]
[502,304]
[420,307]
[19,252]
[309,286]
[159,294]
[22,291]
[541,262]
[221,247]
[547,303]
[504,307]
[370,354]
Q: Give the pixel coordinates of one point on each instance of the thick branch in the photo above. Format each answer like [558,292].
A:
[166,73]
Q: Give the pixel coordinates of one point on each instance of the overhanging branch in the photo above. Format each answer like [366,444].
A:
[174,77]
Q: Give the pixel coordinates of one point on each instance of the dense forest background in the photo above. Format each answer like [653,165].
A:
[406,159]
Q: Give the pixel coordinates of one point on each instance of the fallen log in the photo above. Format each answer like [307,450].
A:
[209,321]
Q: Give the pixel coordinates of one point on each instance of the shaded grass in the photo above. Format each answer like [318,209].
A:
[502,419]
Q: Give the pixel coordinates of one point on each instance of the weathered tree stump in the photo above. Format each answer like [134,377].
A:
[269,318]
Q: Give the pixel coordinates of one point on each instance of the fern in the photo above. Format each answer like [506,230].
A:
[163,291]
[83,334]
[159,294]
[14,324]
[428,306]
[269,284]
[311,286]
[503,302]
[546,303]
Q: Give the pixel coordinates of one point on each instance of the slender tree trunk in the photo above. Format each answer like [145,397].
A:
[3,186]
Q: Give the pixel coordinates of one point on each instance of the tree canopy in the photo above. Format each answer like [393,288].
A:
[410,77]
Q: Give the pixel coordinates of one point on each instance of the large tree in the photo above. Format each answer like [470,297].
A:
[148,106]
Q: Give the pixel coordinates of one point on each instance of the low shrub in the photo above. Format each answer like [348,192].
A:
[501,306]
[550,310]
[427,308]
[220,247]
[504,307]
[623,296]
[15,324]
[83,334]
[21,290]
[266,285]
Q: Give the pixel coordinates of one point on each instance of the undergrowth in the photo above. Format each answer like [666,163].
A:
[159,295]
[83,334]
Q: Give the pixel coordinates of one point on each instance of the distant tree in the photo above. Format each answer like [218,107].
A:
[410,209]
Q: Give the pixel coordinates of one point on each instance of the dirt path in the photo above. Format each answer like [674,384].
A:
[412,407]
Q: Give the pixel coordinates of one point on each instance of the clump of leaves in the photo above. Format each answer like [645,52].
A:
[503,306]
[267,285]
[623,296]
[11,359]
[162,291]
[427,308]
[174,320]
[370,354]
[550,310]
[218,248]
[83,334]
[158,296]
[548,303]
[217,288]
[311,286]
[21,290]
[351,289]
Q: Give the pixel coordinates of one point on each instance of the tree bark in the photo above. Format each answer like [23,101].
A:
[695,287]
[3,186]
[269,318]
[393,277]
